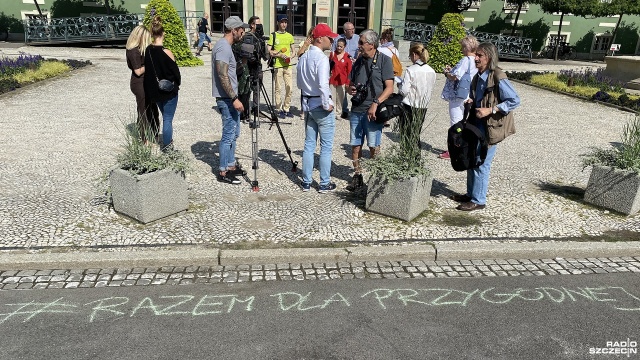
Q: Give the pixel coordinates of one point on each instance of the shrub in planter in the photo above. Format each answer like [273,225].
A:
[148,184]
[175,38]
[614,182]
[400,181]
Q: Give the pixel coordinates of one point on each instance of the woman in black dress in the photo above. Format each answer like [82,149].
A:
[148,120]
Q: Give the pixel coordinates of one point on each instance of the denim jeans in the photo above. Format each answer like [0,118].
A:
[478,178]
[361,127]
[318,122]
[230,132]
[168,110]
[202,37]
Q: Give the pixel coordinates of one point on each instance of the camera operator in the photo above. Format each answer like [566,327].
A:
[371,84]
[225,90]
[256,50]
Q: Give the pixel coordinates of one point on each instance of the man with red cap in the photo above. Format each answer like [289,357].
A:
[320,120]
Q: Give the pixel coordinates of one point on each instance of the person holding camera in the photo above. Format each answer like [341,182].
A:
[319,118]
[371,83]
[203,29]
[256,35]
[225,90]
[281,49]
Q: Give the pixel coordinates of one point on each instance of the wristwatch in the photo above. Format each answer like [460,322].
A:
[376,101]
[493,110]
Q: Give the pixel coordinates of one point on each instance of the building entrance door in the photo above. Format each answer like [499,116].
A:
[355,12]
[221,10]
[296,13]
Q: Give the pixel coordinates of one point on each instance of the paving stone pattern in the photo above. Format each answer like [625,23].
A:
[169,275]
[61,136]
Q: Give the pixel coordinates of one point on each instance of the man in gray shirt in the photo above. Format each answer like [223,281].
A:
[371,84]
[225,90]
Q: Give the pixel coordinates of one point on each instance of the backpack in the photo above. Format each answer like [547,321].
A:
[463,139]
[397,65]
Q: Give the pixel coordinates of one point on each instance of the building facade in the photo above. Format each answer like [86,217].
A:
[592,37]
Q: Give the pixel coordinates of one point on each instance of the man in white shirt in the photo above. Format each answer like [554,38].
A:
[313,81]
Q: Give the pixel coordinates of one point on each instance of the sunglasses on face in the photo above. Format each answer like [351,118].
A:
[361,43]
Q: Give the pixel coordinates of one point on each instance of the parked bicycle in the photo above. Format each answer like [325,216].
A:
[565,51]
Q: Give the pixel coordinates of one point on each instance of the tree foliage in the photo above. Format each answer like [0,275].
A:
[175,38]
[73,8]
[444,47]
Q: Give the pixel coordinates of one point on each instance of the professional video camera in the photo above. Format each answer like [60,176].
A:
[253,46]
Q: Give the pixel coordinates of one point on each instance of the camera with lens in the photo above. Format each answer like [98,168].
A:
[361,94]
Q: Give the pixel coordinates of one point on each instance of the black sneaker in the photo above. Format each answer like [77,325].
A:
[323,189]
[356,182]
[238,171]
[228,178]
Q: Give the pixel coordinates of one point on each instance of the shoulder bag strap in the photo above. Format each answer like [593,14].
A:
[154,67]
[369,70]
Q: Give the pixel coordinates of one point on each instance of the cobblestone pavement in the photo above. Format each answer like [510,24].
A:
[169,275]
[60,137]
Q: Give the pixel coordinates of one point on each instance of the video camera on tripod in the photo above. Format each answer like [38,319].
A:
[253,45]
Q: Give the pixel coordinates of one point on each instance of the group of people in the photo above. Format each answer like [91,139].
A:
[150,62]
[362,65]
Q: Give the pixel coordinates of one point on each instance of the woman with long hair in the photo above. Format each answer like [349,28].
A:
[416,87]
[161,65]
[147,118]
[341,65]
[466,64]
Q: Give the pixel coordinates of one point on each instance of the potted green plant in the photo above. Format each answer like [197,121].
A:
[148,184]
[400,181]
[614,182]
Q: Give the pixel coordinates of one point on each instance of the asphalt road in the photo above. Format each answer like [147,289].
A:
[542,317]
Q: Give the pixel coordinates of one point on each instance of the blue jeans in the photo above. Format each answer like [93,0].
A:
[230,132]
[361,127]
[202,37]
[318,122]
[168,110]
[478,178]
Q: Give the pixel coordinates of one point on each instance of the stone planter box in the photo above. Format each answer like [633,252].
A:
[614,189]
[148,197]
[402,200]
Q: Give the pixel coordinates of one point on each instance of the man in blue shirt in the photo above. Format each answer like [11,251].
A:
[313,81]
[494,99]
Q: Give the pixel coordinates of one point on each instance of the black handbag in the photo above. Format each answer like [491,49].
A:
[390,108]
[164,85]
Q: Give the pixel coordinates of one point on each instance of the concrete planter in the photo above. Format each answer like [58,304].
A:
[614,189]
[402,200]
[150,196]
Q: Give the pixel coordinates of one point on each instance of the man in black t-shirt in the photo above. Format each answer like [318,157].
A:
[203,29]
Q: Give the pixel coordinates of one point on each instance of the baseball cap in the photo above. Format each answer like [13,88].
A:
[323,29]
[282,18]
[234,22]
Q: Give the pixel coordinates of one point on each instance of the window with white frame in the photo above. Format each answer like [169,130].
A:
[513,6]
[553,39]
[601,43]
[508,32]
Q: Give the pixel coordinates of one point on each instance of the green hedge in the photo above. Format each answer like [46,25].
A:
[175,38]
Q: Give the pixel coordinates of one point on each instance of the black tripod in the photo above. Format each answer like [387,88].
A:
[254,124]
